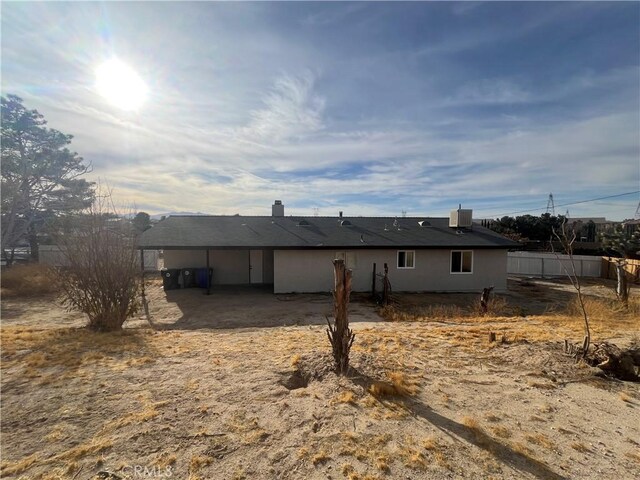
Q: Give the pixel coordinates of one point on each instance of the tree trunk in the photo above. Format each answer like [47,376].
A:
[622,290]
[34,246]
[340,335]
[613,361]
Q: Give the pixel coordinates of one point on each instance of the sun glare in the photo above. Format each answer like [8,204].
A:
[120,85]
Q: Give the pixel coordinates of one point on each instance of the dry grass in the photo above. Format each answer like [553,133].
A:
[346,397]
[16,468]
[149,411]
[625,398]
[295,360]
[28,280]
[522,449]
[580,447]
[197,462]
[96,445]
[633,455]
[540,439]
[166,460]
[430,443]
[608,318]
[399,385]
[321,457]
[501,432]
[73,349]
[412,457]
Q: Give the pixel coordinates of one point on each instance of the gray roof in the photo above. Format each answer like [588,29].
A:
[197,231]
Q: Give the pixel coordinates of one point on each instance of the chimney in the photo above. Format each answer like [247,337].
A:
[340,213]
[277,209]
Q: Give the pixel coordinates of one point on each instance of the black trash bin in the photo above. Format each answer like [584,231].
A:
[170,278]
[188,277]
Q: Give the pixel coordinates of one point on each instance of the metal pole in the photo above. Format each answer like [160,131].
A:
[208,275]
[142,269]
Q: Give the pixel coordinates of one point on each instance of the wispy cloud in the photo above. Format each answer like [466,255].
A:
[291,110]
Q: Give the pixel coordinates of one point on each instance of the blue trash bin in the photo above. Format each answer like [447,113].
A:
[201,277]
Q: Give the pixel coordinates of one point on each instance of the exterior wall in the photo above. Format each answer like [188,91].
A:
[312,270]
[230,267]
[267,266]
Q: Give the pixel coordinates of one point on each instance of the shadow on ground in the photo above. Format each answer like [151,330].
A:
[246,307]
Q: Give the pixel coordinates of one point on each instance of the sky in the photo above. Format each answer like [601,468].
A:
[368,108]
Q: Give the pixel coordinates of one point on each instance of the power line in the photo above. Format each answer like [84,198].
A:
[562,205]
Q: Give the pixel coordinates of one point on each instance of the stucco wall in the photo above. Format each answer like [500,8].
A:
[230,267]
[312,271]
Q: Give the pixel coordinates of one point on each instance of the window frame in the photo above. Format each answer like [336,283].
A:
[405,259]
[451,272]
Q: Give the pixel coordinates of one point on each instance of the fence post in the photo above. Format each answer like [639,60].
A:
[542,261]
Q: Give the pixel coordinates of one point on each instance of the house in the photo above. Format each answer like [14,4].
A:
[295,254]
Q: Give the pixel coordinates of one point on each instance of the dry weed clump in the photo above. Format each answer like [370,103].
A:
[580,447]
[412,457]
[633,455]
[501,431]
[321,457]
[346,397]
[16,468]
[399,385]
[540,439]
[197,462]
[28,280]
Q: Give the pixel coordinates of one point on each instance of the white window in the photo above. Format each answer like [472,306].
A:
[462,261]
[406,259]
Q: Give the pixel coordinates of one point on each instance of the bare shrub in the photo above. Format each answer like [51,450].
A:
[102,278]
[28,280]
[567,239]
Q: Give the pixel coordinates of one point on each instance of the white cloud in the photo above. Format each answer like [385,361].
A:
[291,110]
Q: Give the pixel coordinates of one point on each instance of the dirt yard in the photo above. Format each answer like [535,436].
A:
[239,385]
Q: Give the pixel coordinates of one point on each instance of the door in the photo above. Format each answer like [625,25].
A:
[255,266]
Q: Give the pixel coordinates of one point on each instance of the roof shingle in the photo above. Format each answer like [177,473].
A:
[190,232]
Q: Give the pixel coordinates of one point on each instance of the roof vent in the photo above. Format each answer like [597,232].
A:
[303,223]
[424,223]
[345,223]
[277,209]
[460,218]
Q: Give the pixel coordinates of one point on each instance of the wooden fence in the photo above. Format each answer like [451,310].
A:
[632,268]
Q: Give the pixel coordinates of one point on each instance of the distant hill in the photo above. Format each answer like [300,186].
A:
[158,216]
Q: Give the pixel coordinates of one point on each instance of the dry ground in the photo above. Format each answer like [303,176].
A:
[238,385]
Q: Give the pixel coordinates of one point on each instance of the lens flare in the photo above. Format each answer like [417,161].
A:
[120,85]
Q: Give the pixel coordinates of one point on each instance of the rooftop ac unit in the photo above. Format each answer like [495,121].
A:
[461,218]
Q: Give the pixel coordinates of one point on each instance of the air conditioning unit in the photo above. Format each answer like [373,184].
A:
[461,218]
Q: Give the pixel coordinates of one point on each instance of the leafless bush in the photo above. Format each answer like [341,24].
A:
[102,278]
[567,239]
